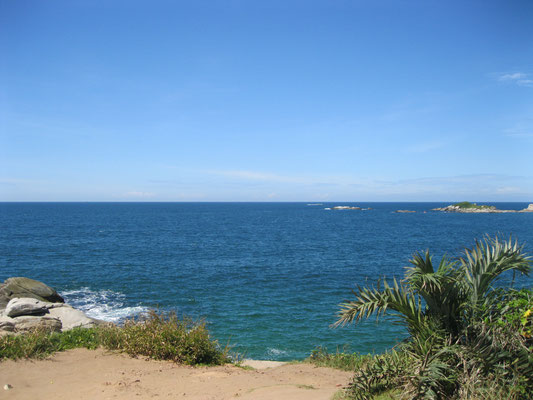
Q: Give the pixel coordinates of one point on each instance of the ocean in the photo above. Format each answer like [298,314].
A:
[266,277]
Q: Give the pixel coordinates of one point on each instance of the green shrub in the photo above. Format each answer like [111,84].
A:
[512,311]
[465,337]
[339,360]
[157,336]
[165,337]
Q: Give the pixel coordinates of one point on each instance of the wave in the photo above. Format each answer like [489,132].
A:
[105,305]
[273,352]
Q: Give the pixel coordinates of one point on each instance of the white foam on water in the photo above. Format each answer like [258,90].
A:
[105,305]
[276,352]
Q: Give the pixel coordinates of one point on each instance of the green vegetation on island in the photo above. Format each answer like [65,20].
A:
[467,205]
[466,339]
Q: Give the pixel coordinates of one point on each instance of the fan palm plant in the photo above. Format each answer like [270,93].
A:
[444,298]
[442,307]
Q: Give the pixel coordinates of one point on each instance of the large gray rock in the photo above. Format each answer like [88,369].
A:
[30,322]
[25,287]
[7,324]
[71,318]
[25,306]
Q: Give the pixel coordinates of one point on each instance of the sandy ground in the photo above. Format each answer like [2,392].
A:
[97,374]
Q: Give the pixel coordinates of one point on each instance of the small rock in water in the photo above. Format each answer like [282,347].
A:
[8,387]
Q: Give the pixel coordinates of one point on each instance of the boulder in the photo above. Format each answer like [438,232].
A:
[71,318]
[29,322]
[25,306]
[27,288]
[4,299]
[7,324]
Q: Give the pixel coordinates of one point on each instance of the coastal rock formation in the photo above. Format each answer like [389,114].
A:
[71,318]
[345,208]
[27,304]
[480,209]
[405,211]
[25,323]
[20,287]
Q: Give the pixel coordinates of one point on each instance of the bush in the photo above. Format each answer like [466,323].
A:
[339,360]
[157,336]
[165,337]
[466,340]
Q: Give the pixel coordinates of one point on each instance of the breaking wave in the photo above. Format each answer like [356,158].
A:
[105,305]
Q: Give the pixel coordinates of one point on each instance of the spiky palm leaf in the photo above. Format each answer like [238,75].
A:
[447,292]
[399,299]
[485,263]
[443,297]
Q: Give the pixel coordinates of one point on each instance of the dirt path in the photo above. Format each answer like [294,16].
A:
[96,374]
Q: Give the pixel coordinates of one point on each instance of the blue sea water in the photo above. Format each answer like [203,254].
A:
[267,277]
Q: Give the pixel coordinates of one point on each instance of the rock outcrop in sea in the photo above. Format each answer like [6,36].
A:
[26,304]
[480,209]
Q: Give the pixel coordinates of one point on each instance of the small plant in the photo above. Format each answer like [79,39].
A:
[339,360]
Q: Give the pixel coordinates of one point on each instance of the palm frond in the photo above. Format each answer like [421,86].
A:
[398,299]
[490,258]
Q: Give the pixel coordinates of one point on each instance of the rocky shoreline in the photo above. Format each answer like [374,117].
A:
[480,209]
[26,304]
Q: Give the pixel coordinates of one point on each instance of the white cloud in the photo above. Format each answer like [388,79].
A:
[509,189]
[521,131]
[512,77]
[254,176]
[525,82]
[519,78]
[137,194]
[424,147]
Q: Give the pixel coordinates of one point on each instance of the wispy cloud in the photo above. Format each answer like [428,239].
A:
[521,130]
[137,194]
[16,181]
[518,78]
[337,187]
[254,176]
[512,77]
[424,147]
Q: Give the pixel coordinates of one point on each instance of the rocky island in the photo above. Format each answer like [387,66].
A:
[347,208]
[467,207]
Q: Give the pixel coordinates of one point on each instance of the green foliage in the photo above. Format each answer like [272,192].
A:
[467,204]
[462,331]
[158,336]
[40,343]
[339,360]
[511,311]
[165,337]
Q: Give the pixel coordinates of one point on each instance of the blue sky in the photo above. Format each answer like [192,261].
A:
[266,100]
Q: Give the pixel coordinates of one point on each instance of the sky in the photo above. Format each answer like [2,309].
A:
[272,100]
